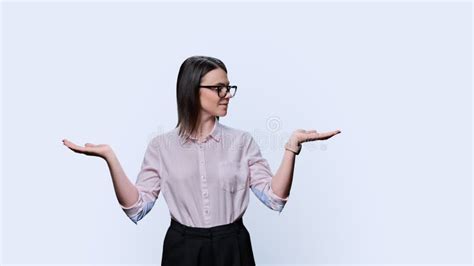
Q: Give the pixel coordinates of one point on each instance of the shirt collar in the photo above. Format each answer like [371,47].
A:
[216,133]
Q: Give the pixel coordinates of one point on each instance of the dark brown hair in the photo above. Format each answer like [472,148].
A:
[187,90]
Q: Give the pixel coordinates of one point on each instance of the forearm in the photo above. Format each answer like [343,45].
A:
[281,182]
[125,190]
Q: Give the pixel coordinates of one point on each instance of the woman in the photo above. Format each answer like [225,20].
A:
[204,169]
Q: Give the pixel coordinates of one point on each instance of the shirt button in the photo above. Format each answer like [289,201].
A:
[203,178]
[206,211]
[204,193]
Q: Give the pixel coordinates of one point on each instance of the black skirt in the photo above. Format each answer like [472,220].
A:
[223,245]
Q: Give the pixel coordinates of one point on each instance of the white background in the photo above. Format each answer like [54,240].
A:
[394,187]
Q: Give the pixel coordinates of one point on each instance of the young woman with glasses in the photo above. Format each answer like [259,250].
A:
[205,170]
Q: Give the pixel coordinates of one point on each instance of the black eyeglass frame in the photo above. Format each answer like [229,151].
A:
[218,88]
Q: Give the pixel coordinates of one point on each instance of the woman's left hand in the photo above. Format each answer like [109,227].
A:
[300,135]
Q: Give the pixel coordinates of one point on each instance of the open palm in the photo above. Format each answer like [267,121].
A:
[300,135]
[90,149]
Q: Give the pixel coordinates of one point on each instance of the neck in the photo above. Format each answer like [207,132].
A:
[204,127]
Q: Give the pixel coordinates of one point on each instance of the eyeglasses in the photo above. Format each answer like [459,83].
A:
[221,90]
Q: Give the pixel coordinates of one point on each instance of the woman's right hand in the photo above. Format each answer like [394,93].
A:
[100,150]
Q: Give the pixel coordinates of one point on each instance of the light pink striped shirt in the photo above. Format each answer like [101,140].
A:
[206,183]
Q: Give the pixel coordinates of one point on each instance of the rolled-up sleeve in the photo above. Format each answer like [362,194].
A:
[148,184]
[261,176]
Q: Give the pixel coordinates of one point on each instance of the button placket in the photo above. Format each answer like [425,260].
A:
[204,187]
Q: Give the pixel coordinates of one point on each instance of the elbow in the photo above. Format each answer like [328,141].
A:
[135,218]
[275,204]
[143,209]
[135,214]
[277,207]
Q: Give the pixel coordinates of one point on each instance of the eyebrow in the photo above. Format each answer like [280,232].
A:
[221,83]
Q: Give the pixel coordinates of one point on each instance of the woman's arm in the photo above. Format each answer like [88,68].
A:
[125,190]
[281,182]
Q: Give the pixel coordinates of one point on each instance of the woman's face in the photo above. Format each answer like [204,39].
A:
[211,103]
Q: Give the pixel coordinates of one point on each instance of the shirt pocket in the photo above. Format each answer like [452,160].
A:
[233,176]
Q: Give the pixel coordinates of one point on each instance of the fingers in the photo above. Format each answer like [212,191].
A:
[327,135]
[67,143]
[311,135]
[73,146]
[88,149]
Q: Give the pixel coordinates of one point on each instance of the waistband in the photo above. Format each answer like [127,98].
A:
[224,229]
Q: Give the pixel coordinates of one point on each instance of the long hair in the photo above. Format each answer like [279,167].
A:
[187,90]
